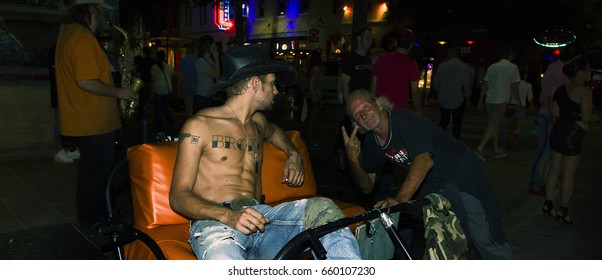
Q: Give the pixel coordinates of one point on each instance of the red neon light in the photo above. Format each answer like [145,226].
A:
[470,42]
[222,15]
[556,52]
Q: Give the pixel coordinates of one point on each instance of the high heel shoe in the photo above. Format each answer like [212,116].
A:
[563,214]
[547,208]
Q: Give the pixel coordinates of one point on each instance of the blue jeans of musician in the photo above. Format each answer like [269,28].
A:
[213,240]
[542,153]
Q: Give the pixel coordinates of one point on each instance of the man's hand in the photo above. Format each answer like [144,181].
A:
[294,173]
[247,221]
[126,93]
[352,144]
[387,202]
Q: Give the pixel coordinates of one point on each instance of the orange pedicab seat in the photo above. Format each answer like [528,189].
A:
[150,172]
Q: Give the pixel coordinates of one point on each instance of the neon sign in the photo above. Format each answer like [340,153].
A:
[222,15]
[554,38]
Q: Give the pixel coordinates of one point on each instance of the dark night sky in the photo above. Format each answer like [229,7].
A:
[503,19]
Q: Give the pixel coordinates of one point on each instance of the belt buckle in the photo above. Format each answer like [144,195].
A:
[242,202]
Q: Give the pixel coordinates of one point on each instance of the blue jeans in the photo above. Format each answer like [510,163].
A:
[542,153]
[479,229]
[213,240]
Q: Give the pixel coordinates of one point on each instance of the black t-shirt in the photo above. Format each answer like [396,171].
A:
[410,136]
[455,167]
[359,68]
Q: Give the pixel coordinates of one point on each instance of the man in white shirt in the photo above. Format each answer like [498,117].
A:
[452,82]
[499,85]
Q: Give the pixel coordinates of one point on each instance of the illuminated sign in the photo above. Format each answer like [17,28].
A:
[556,38]
[288,45]
[222,15]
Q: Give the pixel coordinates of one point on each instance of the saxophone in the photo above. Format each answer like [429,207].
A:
[127,108]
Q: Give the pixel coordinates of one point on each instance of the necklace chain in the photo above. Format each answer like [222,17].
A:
[247,138]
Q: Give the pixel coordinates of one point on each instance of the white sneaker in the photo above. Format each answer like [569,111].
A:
[62,157]
[73,154]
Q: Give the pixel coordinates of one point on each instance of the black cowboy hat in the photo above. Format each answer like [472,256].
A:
[252,60]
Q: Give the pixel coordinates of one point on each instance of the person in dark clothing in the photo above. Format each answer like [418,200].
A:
[88,105]
[143,67]
[161,87]
[571,105]
[436,163]
[355,73]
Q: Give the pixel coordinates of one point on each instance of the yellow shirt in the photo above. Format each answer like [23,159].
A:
[78,57]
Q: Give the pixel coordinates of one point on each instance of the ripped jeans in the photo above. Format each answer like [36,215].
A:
[212,240]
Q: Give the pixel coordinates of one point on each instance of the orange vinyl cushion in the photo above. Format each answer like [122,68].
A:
[151,168]
[150,171]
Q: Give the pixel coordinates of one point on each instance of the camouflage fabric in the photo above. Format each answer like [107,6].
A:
[319,211]
[445,238]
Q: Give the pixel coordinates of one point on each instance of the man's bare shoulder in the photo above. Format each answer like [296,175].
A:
[203,123]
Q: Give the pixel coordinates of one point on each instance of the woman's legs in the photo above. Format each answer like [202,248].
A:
[569,167]
[555,163]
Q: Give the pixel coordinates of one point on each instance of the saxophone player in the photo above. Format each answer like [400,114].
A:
[87,104]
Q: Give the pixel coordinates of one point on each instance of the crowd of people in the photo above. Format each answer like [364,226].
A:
[379,132]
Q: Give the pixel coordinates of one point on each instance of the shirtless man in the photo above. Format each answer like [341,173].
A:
[217,175]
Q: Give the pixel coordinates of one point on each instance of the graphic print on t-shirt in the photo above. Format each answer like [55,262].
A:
[399,156]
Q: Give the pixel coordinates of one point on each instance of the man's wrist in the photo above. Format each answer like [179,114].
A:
[401,198]
[295,154]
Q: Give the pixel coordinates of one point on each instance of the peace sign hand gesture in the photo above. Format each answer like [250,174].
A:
[352,144]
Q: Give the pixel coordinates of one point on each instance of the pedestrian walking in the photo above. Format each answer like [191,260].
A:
[499,85]
[452,82]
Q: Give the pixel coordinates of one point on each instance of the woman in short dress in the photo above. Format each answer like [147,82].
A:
[572,108]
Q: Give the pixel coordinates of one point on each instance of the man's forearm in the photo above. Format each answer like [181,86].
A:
[282,141]
[421,165]
[97,87]
[193,207]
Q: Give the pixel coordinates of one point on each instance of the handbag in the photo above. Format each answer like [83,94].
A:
[374,241]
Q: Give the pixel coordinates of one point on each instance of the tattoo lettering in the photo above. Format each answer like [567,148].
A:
[194,139]
[229,142]
[220,141]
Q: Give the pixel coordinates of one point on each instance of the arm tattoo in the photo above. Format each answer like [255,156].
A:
[194,139]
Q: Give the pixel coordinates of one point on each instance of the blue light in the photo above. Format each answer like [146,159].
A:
[293,8]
